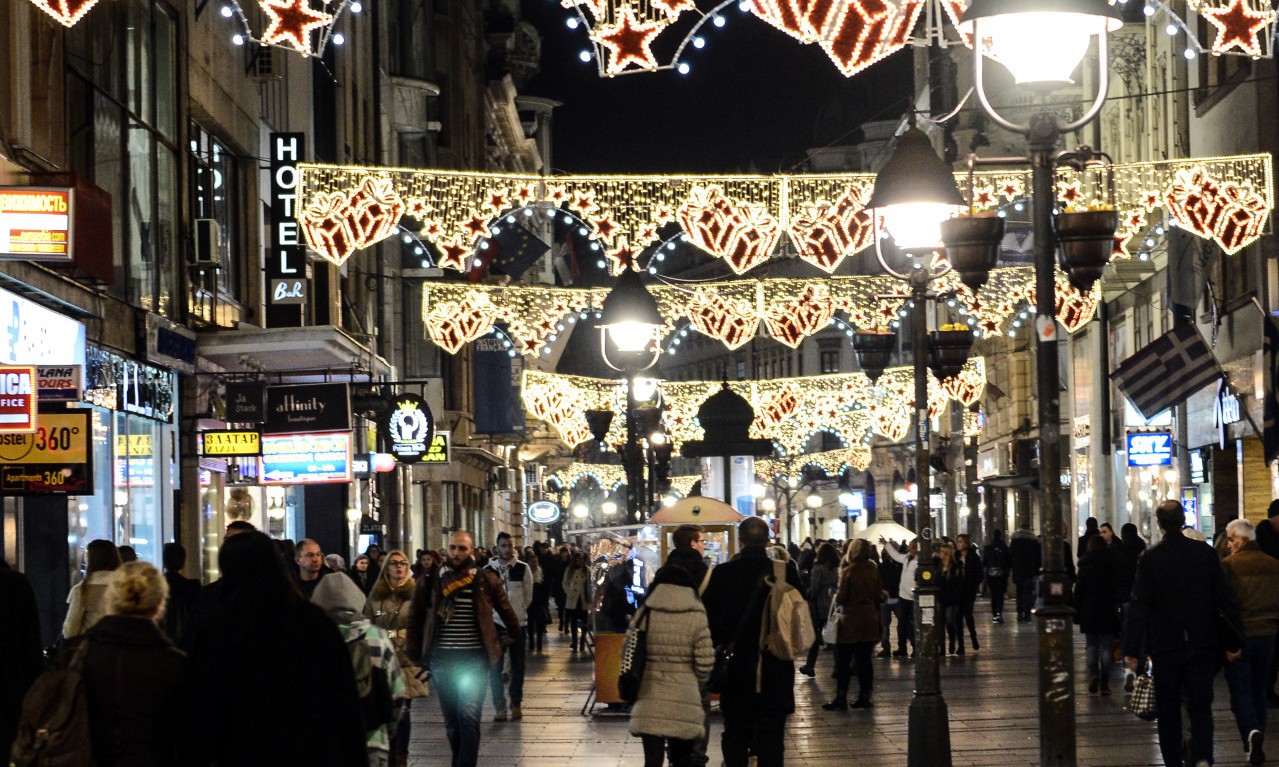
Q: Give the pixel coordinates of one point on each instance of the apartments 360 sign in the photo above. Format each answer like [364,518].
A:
[409,428]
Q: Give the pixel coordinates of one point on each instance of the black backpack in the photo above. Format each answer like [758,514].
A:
[53,729]
[376,704]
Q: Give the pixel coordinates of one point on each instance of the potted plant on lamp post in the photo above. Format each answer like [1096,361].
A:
[1086,240]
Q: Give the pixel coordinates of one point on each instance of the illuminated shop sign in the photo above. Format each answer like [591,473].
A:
[33,335]
[17,399]
[226,443]
[298,459]
[440,448]
[544,512]
[35,223]
[59,382]
[409,428]
[1150,449]
[53,460]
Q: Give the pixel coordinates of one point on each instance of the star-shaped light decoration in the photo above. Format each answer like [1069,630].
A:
[1237,27]
[292,22]
[628,42]
[67,12]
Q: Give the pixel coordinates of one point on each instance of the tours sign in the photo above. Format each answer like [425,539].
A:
[409,428]
[17,399]
[52,460]
[300,459]
[229,443]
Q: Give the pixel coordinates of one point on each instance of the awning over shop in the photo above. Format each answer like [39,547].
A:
[314,349]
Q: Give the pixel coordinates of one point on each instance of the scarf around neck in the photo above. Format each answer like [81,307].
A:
[453,579]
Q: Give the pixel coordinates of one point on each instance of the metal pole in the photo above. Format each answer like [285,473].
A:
[929,726]
[1056,657]
[633,471]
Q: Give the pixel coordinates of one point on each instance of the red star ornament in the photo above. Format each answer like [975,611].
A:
[67,12]
[1237,27]
[628,42]
[673,8]
[292,22]
[477,226]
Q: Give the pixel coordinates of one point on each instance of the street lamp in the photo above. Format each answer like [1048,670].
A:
[629,324]
[914,193]
[1041,42]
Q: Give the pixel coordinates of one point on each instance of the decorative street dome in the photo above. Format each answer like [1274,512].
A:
[726,416]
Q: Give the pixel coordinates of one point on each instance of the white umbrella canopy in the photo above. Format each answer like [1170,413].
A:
[889,531]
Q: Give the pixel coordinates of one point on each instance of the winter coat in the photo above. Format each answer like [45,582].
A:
[365,580]
[731,598]
[21,655]
[890,572]
[489,596]
[1095,608]
[823,581]
[133,681]
[388,609]
[1125,560]
[577,588]
[951,585]
[974,572]
[996,560]
[691,562]
[860,595]
[517,577]
[180,609]
[1255,578]
[87,603]
[678,659]
[1026,555]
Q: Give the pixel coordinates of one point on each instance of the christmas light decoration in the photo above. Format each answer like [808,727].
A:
[1239,25]
[609,476]
[628,42]
[66,12]
[303,26]
[738,218]
[1231,214]
[831,462]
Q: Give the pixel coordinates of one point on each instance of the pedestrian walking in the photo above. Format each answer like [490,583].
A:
[1096,612]
[560,565]
[271,679]
[311,566]
[361,574]
[387,608]
[1181,598]
[1026,555]
[21,656]
[451,630]
[384,703]
[539,616]
[1090,529]
[1255,579]
[823,581]
[997,563]
[517,579]
[335,563]
[87,602]
[759,690]
[909,560]
[950,582]
[860,595]
[183,593]
[890,572]
[667,714]
[132,674]
[970,563]
[576,584]
[1129,549]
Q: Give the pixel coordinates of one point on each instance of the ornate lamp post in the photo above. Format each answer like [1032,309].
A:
[1042,42]
[629,328]
[913,194]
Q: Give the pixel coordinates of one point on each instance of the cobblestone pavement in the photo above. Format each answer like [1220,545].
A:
[991,695]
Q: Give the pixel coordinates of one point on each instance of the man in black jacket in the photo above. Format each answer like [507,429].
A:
[1183,614]
[1027,556]
[759,691]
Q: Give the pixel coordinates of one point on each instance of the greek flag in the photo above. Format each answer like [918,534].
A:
[1167,371]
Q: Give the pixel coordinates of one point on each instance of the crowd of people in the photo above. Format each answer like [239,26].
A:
[171,667]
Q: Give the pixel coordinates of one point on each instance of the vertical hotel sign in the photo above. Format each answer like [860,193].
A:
[286,282]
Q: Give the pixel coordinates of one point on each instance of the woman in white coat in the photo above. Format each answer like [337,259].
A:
[678,658]
[87,601]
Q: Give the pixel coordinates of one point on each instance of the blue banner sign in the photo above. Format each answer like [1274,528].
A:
[1150,448]
[298,459]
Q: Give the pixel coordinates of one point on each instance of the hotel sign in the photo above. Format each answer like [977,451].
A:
[285,259]
[35,223]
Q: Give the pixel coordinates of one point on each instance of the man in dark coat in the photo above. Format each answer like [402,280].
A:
[759,691]
[1181,597]
[1027,556]
[21,659]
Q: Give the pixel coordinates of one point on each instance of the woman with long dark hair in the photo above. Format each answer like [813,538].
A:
[950,579]
[860,595]
[970,564]
[577,598]
[823,580]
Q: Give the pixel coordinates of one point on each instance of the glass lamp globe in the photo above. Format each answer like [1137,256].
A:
[580,511]
[1039,42]
[631,336]
[916,226]
[609,508]
[813,500]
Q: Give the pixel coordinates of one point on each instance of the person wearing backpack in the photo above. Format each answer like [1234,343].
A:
[131,679]
[379,681]
[759,688]
[860,595]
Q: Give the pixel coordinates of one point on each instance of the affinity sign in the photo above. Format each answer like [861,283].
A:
[544,512]
[409,427]
[230,443]
[35,223]
[17,399]
[53,460]
[1150,449]
[298,459]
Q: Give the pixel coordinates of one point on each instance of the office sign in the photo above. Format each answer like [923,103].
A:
[409,428]
[225,443]
[35,223]
[285,259]
[306,408]
[244,402]
[1150,449]
[17,399]
[439,452]
[299,459]
[59,383]
[544,512]
[30,334]
[52,460]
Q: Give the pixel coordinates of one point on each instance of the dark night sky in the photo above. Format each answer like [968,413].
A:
[754,100]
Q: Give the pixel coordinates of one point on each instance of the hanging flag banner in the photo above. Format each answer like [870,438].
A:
[299,459]
[409,427]
[53,460]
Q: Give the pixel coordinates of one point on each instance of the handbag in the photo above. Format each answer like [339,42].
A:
[830,631]
[1142,701]
[634,656]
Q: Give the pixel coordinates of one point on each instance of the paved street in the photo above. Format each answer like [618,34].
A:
[991,695]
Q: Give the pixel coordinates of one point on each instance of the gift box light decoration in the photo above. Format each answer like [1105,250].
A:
[788,410]
[736,218]
[303,26]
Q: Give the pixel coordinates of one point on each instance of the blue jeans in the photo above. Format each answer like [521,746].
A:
[1099,653]
[461,678]
[1190,671]
[516,653]
[1246,676]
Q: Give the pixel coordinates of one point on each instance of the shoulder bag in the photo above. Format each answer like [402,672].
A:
[723,654]
[634,655]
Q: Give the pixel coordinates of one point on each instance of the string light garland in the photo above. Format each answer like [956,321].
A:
[302,26]
[737,218]
[831,462]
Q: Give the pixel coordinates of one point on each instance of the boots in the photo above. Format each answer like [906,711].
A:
[863,700]
[840,703]
[399,760]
